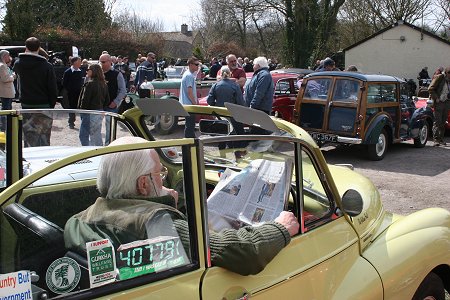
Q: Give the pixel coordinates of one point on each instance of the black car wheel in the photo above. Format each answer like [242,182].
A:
[378,151]
[431,288]
[166,124]
[421,140]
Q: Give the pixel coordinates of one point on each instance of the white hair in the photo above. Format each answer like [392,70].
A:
[225,71]
[261,61]
[3,53]
[118,172]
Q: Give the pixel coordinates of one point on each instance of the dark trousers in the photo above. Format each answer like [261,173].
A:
[73,103]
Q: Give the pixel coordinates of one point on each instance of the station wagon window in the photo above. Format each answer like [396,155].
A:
[43,231]
[317,88]
[382,93]
[346,90]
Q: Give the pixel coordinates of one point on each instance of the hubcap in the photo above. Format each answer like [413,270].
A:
[429,298]
[423,134]
[166,121]
[381,145]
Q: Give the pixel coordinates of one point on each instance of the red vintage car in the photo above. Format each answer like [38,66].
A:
[285,82]
[422,102]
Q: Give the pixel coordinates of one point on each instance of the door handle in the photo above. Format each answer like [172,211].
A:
[246,296]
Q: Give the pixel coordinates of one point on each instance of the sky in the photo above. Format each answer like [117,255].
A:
[172,13]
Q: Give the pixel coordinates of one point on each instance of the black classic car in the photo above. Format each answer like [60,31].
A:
[355,108]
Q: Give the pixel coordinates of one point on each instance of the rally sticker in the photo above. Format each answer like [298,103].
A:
[101,262]
[15,285]
[63,275]
[149,256]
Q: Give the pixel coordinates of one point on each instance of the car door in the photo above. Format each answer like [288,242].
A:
[284,98]
[34,212]
[343,107]
[321,262]
[313,103]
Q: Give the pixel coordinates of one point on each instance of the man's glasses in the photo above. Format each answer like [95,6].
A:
[163,173]
[197,64]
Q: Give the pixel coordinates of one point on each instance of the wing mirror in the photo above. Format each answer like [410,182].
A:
[352,203]
[214,127]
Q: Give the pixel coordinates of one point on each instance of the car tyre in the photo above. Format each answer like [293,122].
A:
[430,288]
[378,151]
[166,124]
[421,140]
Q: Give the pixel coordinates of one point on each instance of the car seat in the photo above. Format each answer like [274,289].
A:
[39,242]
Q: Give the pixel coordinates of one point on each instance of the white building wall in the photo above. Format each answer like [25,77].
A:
[388,53]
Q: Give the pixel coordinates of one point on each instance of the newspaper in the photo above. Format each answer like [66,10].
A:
[256,194]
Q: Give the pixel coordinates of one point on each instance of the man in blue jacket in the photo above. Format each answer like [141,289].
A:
[146,70]
[259,92]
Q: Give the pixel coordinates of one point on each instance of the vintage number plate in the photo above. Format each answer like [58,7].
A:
[323,137]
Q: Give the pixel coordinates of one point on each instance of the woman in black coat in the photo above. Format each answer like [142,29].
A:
[94,96]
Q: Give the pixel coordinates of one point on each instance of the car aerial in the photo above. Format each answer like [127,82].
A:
[348,246]
[353,108]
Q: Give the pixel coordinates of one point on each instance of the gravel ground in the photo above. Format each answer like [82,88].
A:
[408,178]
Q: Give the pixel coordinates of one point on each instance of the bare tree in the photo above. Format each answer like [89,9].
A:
[439,18]
[128,20]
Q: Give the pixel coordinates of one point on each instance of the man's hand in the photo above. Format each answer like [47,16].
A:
[112,105]
[171,192]
[288,220]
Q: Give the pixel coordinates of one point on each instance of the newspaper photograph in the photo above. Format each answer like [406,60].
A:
[256,194]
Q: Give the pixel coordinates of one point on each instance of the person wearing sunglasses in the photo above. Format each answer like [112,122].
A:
[188,94]
[133,203]
[440,94]
[147,70]
[116,88]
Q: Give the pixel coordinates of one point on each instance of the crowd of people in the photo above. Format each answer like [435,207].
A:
[102,87]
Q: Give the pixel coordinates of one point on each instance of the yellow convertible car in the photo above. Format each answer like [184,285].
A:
[347,247]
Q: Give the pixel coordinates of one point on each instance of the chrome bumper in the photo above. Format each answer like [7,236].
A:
[348,140]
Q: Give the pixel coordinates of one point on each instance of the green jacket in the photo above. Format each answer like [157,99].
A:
[244,251]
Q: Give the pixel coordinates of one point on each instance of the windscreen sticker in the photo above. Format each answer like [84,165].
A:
[149,256]
[101,262]
[63,275]
[15,285]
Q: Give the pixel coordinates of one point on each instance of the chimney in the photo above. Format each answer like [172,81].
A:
[184,28]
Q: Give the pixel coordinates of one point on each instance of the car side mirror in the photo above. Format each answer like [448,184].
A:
[214,127]
[352,203]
